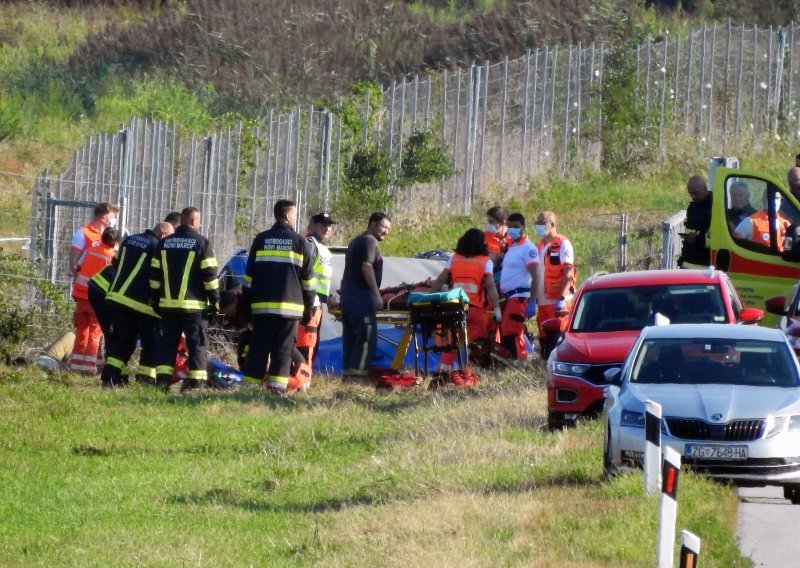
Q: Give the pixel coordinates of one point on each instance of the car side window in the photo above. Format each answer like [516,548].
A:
[736,303]
[758,214]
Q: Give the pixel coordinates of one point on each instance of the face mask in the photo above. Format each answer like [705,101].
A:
[515,233]
[777,204]
[540,230]
[492,228]
[112,223]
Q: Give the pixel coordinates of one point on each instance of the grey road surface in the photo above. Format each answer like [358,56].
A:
[767,527]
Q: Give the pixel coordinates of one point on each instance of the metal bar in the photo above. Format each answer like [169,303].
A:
[503,119]
[533,110]
[567,132]
[525,97]
[739,83]
[710,121]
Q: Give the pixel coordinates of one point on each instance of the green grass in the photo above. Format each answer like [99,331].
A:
[343,476]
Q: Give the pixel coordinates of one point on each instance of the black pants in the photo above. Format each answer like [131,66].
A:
[102,311]
[130,325]
[359,339]
[193,326]
[273,337]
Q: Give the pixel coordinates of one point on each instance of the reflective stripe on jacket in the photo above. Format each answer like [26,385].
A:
[103,279]
[322,269]
[467,274]
[278,279]
[183,272]
[130,286]
[96,257]
[553,269]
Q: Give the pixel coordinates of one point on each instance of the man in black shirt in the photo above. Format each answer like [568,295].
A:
[695,251]
[361,297]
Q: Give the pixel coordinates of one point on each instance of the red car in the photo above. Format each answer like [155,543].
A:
[608,314]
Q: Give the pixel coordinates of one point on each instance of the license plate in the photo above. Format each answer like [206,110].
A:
[716,452]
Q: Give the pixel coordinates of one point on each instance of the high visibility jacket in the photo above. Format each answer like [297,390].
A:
[96,257]
[278,279]
[183,272]
[467,273]
[497,243]
[760,232]
[322,269]
[131,287]
[554,270]
[101,281]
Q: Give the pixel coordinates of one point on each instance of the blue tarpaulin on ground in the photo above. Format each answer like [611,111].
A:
[329,357]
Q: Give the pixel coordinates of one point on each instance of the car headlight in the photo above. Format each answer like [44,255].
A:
[794,423]
[632,419]
[775,424]
[570,369]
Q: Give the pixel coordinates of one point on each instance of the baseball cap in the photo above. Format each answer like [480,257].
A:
[323,217]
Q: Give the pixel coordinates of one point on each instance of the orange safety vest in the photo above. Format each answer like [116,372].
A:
[553,270]
[95,259]
[467,273]
[497,243]
[760,232]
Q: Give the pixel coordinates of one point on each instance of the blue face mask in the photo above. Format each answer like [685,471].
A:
[515,233]
[541,230]
[492,228]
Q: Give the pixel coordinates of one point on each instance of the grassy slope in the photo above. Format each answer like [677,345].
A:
[341,477]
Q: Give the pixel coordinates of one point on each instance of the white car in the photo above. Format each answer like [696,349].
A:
[730,398]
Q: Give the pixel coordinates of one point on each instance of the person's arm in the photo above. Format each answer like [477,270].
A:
[744,230]
[208,274]
[533,269]
[369,276]
[491,293]
[441,280]
[566,280]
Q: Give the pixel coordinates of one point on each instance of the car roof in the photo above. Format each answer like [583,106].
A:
[712,331]
[652,278]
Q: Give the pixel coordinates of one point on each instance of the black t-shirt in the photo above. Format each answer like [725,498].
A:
[698,218]
[363,248]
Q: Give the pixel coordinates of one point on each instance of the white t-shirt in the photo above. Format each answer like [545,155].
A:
[515,272]
[78,240]
[566,255]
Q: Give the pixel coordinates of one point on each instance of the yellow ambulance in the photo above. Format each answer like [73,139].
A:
[750,236]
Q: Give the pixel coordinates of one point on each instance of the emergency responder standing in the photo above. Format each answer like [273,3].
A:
[88,332]
[278,291]
[695,252]
[105,215]
[132,316]
[470,269]
[185,291]
[320,229]
[520,274]
[361,298]
[557,286]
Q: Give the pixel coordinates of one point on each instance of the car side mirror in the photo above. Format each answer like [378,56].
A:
[751,315]
[613,375]
[775,305]
[552,326]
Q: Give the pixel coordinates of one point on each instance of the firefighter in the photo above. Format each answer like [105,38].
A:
[185,290]
[98,289]
[132,316]
[556,289]
[520,274]
[278,291]
[88,332]
[320,229]
[470,269]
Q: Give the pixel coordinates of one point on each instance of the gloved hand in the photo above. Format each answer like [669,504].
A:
[498,315]
[561,308]
[307,315]
[530,311]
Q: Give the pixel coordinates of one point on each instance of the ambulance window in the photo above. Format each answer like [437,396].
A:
[754,205]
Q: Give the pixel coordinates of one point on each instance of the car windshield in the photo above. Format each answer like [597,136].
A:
[618,309]
[721,361]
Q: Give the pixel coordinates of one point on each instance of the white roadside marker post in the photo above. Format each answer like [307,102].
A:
[690,549]
[652,452]
[668,507]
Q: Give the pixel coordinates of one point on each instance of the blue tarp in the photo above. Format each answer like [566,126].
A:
[329,357]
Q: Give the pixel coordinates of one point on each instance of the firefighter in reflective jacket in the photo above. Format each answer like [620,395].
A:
[320,229]
[98,255]
[132,316]
[555,294]
[278,291]
[97,291]
[470,269]
[185,289]
[755,228]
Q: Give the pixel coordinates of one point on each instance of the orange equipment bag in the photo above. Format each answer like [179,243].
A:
[386,378]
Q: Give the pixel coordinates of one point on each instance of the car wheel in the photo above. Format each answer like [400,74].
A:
[555,421]
[792,493]
[609,470]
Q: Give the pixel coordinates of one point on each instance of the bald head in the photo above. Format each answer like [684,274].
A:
[793,178]
[163,229]
[697,188]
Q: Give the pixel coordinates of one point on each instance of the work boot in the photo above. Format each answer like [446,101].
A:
[191,384]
